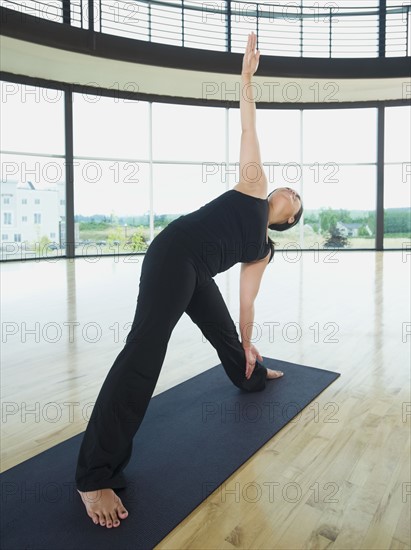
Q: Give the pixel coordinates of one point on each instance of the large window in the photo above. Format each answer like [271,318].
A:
[320,28]
[340,177]
[32,172]
[188,133]
[188,159]
[182,188]
[111,175]
[397,177]
[329,157]
[137,166]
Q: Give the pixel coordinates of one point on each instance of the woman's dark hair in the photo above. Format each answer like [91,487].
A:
[284,226]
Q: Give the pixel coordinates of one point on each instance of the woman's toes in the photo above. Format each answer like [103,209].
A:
[274,373]
[109,523]
[123,513]
[94,517]
[115,519]
[110,520]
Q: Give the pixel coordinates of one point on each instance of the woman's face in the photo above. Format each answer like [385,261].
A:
[286,203]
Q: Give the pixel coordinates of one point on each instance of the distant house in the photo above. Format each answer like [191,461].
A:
[30,212]
[351,229]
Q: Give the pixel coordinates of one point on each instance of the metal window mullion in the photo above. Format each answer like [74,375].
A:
[68,120]
[91,15]
[382,28]
[227,164]
[100,15]
[330,35]
[379,229]
[66,12]
[149,21]
[301,30]
[301,224]
[227,145]
[228,26]
[150,168]
[182,23]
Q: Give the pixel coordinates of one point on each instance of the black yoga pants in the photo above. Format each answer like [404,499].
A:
[170,284]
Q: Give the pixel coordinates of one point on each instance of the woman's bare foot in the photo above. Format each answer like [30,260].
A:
[104,507]
[274,374]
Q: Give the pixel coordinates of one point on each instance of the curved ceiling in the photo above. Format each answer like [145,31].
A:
[106,62]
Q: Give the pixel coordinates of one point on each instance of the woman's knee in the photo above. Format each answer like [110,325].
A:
[257,380]
[253,385]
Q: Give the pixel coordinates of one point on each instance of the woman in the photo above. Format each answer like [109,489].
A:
[176,277]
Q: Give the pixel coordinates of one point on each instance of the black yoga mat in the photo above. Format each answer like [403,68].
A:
[193,437]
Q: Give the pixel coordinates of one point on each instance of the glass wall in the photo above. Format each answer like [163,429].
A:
[398,24]
[339,177]
[397,177]
[329,156]
[111,174]
[51,11]
[138,166]
[33,216]
[188,159]
[322,28]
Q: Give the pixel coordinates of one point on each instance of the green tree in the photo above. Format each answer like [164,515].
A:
[362,232]
[137,241]
[328,220]
[344,216]
[43,244]
[370,221]
[397,220]
[116,234]
[113,218]
[336,239]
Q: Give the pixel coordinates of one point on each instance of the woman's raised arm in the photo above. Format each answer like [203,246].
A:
[252,178]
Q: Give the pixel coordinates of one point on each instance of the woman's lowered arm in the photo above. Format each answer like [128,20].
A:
[250,279]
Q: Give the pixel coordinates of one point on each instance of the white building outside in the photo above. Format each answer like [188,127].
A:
[30,215]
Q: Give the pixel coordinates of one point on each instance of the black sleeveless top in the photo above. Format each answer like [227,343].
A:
[229,229]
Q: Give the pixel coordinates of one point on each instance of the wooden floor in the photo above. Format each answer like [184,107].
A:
[337,477]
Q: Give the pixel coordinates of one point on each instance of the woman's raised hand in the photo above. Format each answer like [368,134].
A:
[251,56]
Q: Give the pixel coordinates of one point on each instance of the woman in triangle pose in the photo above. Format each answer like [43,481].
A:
[177,277]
